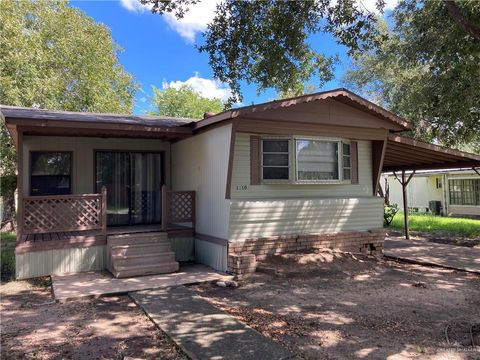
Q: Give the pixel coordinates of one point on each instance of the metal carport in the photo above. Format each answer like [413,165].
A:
[406,154]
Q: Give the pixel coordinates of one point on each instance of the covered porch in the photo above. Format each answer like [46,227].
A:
[95,192]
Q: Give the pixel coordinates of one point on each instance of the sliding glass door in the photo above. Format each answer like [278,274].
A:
[133,181]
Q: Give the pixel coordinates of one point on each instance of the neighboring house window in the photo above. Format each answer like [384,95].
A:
[275,159]
[464,191]
[313,160]
[50,173]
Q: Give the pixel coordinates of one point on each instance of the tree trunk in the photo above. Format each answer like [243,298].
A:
[8,211]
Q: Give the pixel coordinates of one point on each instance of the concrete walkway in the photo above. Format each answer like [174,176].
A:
[93,284]
[202,330]
[428,253]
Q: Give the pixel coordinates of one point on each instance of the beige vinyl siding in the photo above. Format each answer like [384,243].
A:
[251,219]
[60,261]
[241,188]
[83,164]
[200,163]
[293,209]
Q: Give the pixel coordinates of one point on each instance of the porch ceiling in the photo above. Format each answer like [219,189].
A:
[407,154]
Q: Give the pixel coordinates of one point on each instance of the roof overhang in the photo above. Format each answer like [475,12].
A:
[408,154]
[60,123]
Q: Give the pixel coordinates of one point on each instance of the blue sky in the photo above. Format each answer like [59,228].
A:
[160,49]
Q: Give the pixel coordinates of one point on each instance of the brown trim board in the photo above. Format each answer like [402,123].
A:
[211,239]
[233,137]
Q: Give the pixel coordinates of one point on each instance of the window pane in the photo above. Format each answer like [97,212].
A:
[50,163]
[346,174]
[346,149]
[317,160]
[275,159]
[271,145]
[275,173]
[50,185]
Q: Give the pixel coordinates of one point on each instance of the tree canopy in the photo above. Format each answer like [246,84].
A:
[183,102]
[424,66]
[427,70]
[55,57]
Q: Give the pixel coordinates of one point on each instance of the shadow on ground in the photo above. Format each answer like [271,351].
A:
[338,306]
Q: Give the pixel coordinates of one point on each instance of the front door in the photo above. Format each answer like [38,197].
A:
[134,182]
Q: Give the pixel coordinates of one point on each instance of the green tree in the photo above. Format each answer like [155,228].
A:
[183,102]
[266,42]
[56,57]
[427,70]
[436,64]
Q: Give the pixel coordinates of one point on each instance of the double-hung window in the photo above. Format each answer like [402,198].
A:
[276,159]
[50,173]
[306,160]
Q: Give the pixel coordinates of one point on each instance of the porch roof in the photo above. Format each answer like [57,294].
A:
[66,123]
[404,153]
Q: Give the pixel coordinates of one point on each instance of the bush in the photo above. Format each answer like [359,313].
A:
[7,256]
[389,213]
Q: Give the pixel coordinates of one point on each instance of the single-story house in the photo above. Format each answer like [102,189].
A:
[456,191]
[138,194]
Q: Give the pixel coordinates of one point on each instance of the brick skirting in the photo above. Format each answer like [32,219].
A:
[242,257]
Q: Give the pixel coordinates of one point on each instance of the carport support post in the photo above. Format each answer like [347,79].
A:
[404,184]
[405,206]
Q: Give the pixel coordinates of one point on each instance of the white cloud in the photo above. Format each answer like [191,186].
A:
[206,87]
[194,21]
[370,5]
[135,6]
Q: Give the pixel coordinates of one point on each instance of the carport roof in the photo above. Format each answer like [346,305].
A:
[408,154]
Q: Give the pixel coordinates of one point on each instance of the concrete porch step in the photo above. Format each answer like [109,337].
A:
[136,270]
[143,259]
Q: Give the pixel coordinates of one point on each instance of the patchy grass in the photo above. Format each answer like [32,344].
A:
[431,223]
[7,255]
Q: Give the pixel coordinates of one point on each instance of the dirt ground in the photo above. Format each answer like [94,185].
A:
[338,306]
[33,327]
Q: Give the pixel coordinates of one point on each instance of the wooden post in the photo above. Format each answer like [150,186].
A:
[164,207]
[20,167]
[194,206]
[404,184]
[104,210]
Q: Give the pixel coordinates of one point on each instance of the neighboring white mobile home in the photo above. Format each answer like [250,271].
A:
[457,190]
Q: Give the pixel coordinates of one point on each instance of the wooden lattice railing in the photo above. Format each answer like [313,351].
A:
[59,213]
[178,207]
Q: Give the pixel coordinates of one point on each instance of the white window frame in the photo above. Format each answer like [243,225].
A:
[293,158]
[290,162]
[347,181]
[339,160]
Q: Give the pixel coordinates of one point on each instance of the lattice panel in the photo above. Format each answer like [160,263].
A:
[181,206]
[62,213]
